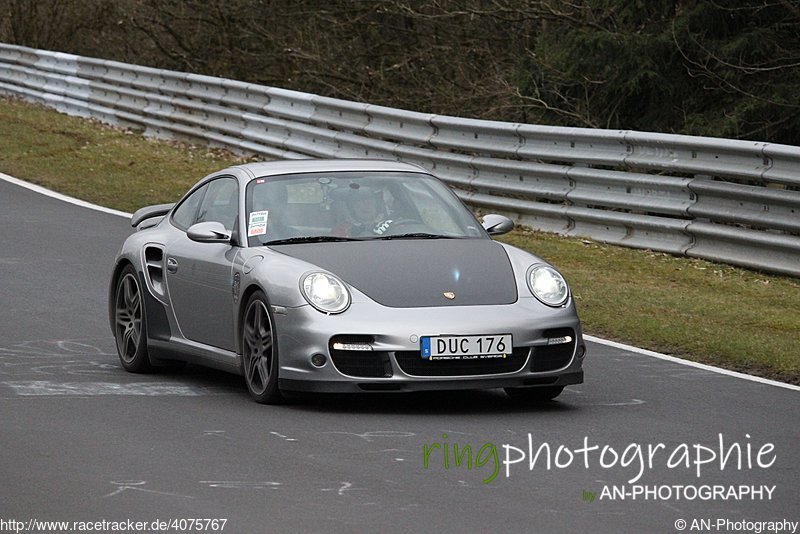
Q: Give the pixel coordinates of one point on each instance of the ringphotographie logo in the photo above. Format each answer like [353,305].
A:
[635,460]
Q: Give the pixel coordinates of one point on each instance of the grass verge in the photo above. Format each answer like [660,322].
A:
[107,166]
[716,314]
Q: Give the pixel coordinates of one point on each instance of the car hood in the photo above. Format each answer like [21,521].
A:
[417,273]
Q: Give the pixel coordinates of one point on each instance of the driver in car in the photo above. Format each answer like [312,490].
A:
[366,212]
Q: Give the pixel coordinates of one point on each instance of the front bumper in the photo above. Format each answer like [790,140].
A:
[364,385]
[395,333]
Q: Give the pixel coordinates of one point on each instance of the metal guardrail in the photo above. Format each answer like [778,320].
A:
[731,201]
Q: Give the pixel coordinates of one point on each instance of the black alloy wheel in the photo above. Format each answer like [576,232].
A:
[129,323]
[259,351]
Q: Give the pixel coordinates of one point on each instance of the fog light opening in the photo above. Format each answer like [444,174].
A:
[581,351]
[354,346]
[559,340]
[318,360]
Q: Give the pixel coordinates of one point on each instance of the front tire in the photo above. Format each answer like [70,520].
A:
[259,351]
[534,394]
[130,328]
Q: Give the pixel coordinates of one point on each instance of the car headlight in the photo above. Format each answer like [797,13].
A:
[548,285]
[325,292]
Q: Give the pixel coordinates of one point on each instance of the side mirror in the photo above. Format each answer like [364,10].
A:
[497,224]
[209,232]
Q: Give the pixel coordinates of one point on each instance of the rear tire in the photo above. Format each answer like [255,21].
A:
[130,326]
[259,351]
[534,394]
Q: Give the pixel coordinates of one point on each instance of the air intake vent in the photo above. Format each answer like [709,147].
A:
[154,268]
[558,354]
[352,355]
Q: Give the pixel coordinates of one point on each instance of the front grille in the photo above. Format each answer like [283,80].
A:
[412,363]
[365,364]
[553,357]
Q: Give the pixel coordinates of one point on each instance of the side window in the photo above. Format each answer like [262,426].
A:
[221,203]
[183,216]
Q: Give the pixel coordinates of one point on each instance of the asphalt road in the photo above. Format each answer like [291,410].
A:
[82,440]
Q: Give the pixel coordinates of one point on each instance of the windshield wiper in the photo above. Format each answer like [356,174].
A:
[311,239]
[417,235]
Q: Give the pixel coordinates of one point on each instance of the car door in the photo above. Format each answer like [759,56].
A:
[199,275]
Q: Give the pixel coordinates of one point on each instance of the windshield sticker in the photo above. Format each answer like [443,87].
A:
[257,223]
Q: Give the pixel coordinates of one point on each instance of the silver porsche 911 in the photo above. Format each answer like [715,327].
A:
[341,276]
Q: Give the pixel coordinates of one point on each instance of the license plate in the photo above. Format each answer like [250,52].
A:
[466,347]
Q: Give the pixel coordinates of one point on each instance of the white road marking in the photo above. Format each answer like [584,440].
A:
[240,484]
[346,486]
[134,485]
[697,365]
[622,346]
[66,198]
[46,388]
[285,438]
[369,436]
[632,402]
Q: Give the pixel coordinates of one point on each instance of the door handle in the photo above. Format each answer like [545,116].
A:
[172,265]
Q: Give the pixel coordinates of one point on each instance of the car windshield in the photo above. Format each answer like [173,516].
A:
[343,206]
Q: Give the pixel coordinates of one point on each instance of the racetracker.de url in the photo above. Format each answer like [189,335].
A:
[127,525]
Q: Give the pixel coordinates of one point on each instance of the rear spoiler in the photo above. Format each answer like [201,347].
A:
[148,212]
